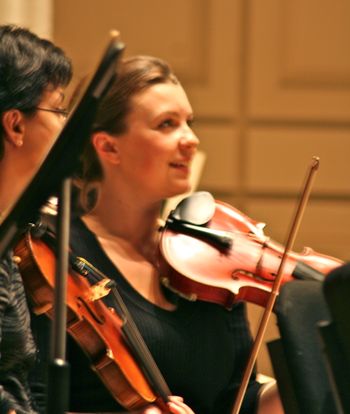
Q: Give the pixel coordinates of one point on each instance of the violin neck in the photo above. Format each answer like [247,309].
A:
[140,349]
[129,329]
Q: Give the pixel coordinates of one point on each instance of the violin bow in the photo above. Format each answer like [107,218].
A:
[276,285]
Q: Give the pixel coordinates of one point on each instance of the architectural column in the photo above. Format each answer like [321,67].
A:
[36,15]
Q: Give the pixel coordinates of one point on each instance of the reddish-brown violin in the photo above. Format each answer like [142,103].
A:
[215,253]
[108,337]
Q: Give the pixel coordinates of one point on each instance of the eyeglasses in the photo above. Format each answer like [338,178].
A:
[62,112]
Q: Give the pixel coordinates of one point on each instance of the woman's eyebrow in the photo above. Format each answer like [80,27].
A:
[173,113]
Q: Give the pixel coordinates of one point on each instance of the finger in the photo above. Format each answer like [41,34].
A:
[152,410]
[179,407]
[176,398]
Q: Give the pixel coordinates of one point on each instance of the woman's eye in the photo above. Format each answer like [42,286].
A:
[167,123]
[190,122]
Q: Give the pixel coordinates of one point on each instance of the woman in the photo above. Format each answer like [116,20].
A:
[33,75]
[140,154]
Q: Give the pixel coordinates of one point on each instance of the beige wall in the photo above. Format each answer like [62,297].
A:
[34,14]
[270,84]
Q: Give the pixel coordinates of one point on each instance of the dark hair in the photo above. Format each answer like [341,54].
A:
[28,65]
[134,75]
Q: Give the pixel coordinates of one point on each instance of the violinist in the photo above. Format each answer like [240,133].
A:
[33,75]
[140,153]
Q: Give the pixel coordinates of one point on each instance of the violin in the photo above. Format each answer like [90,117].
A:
[213,252]
[108,337]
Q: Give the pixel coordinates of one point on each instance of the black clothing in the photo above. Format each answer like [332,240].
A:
[200,348]
[17,347]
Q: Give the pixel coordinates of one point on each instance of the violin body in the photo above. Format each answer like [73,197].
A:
[94,326]
[246,270]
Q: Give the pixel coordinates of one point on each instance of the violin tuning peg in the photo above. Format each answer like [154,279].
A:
[17,259]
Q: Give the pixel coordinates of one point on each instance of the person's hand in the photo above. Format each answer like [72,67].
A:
[176,405]
[269,400]
[151,410]
[11,412]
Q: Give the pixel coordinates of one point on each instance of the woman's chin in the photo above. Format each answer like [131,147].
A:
[179,190]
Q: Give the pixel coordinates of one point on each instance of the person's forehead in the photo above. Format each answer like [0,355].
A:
[162,95]
[52,93]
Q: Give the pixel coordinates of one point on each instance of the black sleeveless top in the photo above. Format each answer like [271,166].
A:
[200,348]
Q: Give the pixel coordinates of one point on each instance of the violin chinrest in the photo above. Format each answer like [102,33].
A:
[198,208]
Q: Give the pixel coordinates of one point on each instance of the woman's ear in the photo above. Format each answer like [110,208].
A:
[106,147]
[13,125]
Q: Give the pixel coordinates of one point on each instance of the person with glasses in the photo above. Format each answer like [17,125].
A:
[33,75]
[62,112]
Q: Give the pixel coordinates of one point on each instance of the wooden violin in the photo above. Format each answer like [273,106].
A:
[109,338]
[213,252]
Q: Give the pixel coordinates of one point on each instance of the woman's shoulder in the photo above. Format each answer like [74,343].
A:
[8,267]
[10,279]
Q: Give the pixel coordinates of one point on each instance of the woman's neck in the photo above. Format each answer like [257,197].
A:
[12,182]
[129,218]
[127,230]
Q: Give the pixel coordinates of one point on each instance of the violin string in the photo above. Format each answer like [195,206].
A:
[151,369]
[129,328]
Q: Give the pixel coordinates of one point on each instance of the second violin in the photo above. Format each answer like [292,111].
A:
[109,338]
[218,254]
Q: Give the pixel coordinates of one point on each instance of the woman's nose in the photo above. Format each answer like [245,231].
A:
[189,139]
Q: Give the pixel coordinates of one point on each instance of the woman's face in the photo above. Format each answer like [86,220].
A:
[159,145]
[28,138]
[42,128]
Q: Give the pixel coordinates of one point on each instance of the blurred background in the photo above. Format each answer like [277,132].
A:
[269,81]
